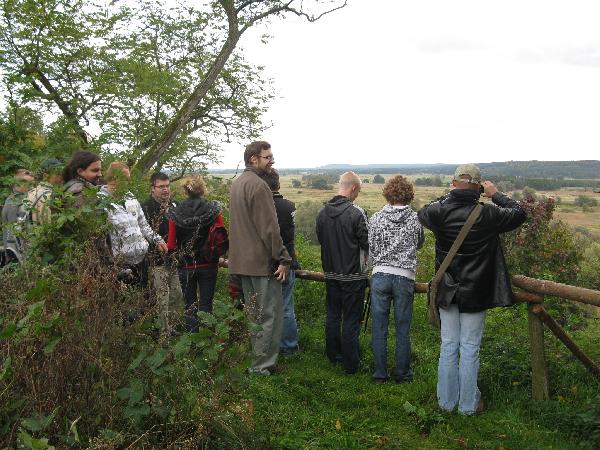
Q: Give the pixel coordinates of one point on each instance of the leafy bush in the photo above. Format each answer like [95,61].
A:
[82,363]
[321,183]
[542,248]
[584,200]
[590,267]
[306,215]
[378,179]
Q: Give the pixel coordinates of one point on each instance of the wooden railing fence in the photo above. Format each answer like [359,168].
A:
[532,292]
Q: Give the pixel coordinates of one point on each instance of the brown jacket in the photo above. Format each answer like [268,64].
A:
[254,238]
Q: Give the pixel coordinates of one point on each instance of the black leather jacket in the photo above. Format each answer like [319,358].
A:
[477,278]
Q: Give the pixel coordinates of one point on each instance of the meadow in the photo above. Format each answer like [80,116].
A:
[310,404]
[371,199]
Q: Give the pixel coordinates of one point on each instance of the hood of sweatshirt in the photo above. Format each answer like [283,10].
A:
[195,213]
[396,215]
[337,205]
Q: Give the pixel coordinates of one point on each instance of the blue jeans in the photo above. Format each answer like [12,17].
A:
[385,289]
[289,337]
[457,380]
[203,280]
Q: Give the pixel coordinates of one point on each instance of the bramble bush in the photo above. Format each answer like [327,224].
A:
[82,362]
[543,248]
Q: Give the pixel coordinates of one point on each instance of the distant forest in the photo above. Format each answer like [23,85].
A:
[540,175]
[527,169]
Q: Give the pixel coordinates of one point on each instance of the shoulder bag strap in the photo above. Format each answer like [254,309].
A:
[457,243]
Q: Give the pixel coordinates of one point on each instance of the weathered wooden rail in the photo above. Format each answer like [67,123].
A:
[532,292]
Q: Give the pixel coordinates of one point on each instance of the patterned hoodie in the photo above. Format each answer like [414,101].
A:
[395,234]
[131,232]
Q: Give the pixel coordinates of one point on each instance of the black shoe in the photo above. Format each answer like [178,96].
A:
[403,380]
[380,380]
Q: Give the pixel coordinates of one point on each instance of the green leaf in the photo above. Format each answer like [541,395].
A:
[182,346]
[409,408]
[50,346]
[30,442]
[137,361]
[38,422]
[157,359]
[8,331]
[32,310]
[136,413]
[6,371]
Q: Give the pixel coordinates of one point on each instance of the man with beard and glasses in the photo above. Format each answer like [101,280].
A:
[255,245]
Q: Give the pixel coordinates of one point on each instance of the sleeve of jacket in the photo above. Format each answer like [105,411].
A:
[318,226]
[287,224]
[428,215]
[147,231]
[421,240]
[264,218]
[509,214]
[362,232]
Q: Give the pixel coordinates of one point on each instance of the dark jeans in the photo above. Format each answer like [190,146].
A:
[192,281]
[344,308]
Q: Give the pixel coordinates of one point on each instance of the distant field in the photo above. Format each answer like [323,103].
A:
[372,200]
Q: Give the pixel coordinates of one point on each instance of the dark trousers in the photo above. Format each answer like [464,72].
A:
[200,279]
[342,326]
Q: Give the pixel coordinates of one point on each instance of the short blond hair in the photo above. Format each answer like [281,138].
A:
[194,186]
[115,169]
[350,178]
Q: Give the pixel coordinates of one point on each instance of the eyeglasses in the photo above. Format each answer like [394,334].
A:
[162,187]
[270,157]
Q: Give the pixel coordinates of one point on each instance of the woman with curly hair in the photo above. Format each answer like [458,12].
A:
[395,234]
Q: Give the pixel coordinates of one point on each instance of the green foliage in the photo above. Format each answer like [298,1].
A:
[321,183]
[296,183]
[306,215]
[378,179]
[435,180]
[129,68]
[529,193]
[542,248]
[310,403]
[590,267]
[585,201]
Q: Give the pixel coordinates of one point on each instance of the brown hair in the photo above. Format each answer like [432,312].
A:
[80,160]
[272,179]
[194,186]
[254,149]
[398,190]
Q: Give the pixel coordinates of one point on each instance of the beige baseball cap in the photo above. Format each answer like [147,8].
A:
[468,172]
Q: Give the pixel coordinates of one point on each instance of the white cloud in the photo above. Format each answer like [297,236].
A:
[434,81]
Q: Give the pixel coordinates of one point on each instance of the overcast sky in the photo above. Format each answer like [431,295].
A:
[433,81]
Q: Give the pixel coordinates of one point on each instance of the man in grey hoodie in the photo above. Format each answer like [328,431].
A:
[395,234]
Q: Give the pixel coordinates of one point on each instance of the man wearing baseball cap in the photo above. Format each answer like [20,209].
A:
[476,280]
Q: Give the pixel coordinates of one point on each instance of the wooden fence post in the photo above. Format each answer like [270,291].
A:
[539,369]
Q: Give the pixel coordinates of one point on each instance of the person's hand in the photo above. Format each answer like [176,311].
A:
[281,273]
[162,247]
[488,189]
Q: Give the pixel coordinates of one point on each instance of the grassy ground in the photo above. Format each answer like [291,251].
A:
[310,404]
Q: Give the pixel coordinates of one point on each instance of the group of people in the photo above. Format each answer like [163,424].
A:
[184,242]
